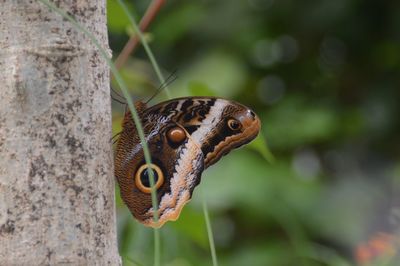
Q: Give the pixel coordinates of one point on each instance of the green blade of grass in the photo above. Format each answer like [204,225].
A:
[131,106]
[157,245]
[162,81]
[136,119]
[210,233]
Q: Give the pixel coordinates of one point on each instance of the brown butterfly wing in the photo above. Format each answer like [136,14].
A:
[181,166]
[207,128]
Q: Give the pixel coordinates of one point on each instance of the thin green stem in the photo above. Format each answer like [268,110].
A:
[157,246]
[162,80]
[136,119]
[146,46]
[131,106]
[210,234]
[153,61]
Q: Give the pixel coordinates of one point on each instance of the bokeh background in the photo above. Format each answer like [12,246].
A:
[324,78]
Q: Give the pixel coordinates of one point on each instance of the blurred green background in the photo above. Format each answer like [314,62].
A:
[324,78]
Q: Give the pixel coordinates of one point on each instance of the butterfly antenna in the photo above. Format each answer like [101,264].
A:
[171,78]
[119,95]
[115,99]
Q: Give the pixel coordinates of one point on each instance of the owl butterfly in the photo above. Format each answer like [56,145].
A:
[185,136]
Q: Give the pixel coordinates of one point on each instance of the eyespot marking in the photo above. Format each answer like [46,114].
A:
[234,125]
[142,177]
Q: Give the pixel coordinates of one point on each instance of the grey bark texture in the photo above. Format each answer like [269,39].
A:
[56,170]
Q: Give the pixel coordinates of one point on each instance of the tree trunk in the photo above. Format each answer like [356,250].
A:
[56,171]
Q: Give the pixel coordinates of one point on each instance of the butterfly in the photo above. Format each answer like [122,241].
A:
[184,136]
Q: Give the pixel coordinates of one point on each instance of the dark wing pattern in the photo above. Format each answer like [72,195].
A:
[203,130]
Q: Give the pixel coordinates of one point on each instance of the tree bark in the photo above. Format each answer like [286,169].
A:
[56,171]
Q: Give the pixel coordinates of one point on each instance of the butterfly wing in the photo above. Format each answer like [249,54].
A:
[211,123]
[184,136]
[178,164]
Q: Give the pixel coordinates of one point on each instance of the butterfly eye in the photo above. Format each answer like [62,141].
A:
[176,135]
[234,124]
[142,177]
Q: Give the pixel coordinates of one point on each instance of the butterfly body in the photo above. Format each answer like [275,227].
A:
[184,136]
